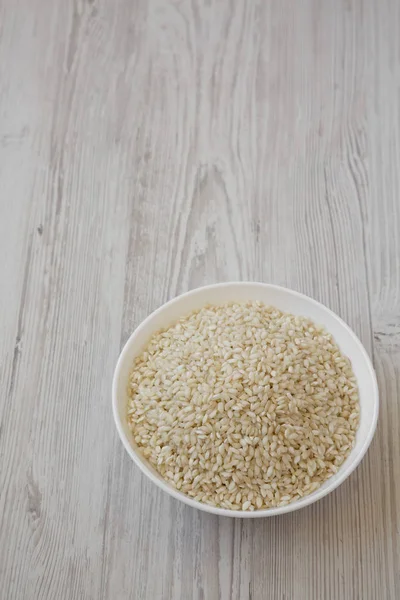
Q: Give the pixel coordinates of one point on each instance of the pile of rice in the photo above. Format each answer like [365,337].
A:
[243,406]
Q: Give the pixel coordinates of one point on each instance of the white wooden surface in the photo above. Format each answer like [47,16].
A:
[147,148]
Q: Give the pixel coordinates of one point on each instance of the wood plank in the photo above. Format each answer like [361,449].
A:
[147,148]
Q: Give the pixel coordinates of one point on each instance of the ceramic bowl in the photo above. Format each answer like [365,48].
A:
[286,300]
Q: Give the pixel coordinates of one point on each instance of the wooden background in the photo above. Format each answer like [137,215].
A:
[146,148]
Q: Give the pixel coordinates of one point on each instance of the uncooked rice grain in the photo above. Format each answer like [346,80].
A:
[243,406]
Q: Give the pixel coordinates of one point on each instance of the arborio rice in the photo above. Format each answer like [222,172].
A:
[243,406]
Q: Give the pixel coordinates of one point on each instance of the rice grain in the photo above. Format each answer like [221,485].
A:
[243,406]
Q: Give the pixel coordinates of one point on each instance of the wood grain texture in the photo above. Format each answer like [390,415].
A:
[148,147]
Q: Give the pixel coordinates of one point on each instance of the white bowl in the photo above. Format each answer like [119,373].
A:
[286,300]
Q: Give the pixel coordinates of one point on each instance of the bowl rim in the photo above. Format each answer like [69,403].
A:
[266,512]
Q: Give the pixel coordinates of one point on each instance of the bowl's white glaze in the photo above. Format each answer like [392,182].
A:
[286,300]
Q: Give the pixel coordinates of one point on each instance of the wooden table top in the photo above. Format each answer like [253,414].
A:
[147,148]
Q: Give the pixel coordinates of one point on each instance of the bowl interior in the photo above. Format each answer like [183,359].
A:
[286,300]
